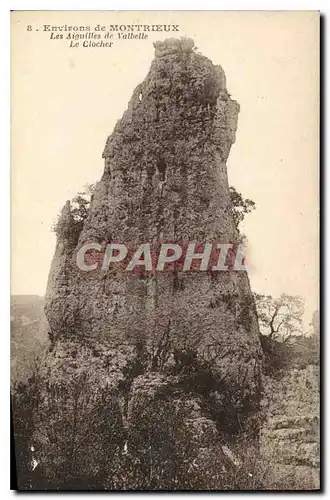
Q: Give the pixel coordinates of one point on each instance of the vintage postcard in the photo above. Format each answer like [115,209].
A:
[165,250]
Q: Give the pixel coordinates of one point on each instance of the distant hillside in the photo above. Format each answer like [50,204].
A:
[30,305]
[28,327]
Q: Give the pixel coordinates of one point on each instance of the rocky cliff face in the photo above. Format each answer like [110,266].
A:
[187,338]
[165,180]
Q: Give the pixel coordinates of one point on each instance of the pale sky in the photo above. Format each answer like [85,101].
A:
[66,101]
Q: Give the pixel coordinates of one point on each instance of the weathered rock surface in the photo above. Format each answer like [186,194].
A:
[290,438]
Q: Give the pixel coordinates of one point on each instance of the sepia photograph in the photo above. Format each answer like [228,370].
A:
[165,305]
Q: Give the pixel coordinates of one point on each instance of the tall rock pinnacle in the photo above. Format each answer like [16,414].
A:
[165,180]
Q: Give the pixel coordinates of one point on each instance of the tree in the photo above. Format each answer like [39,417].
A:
[240,206]
[80,203]
[281,318]
[75,211]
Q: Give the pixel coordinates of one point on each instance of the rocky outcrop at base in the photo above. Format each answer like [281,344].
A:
[290,437]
